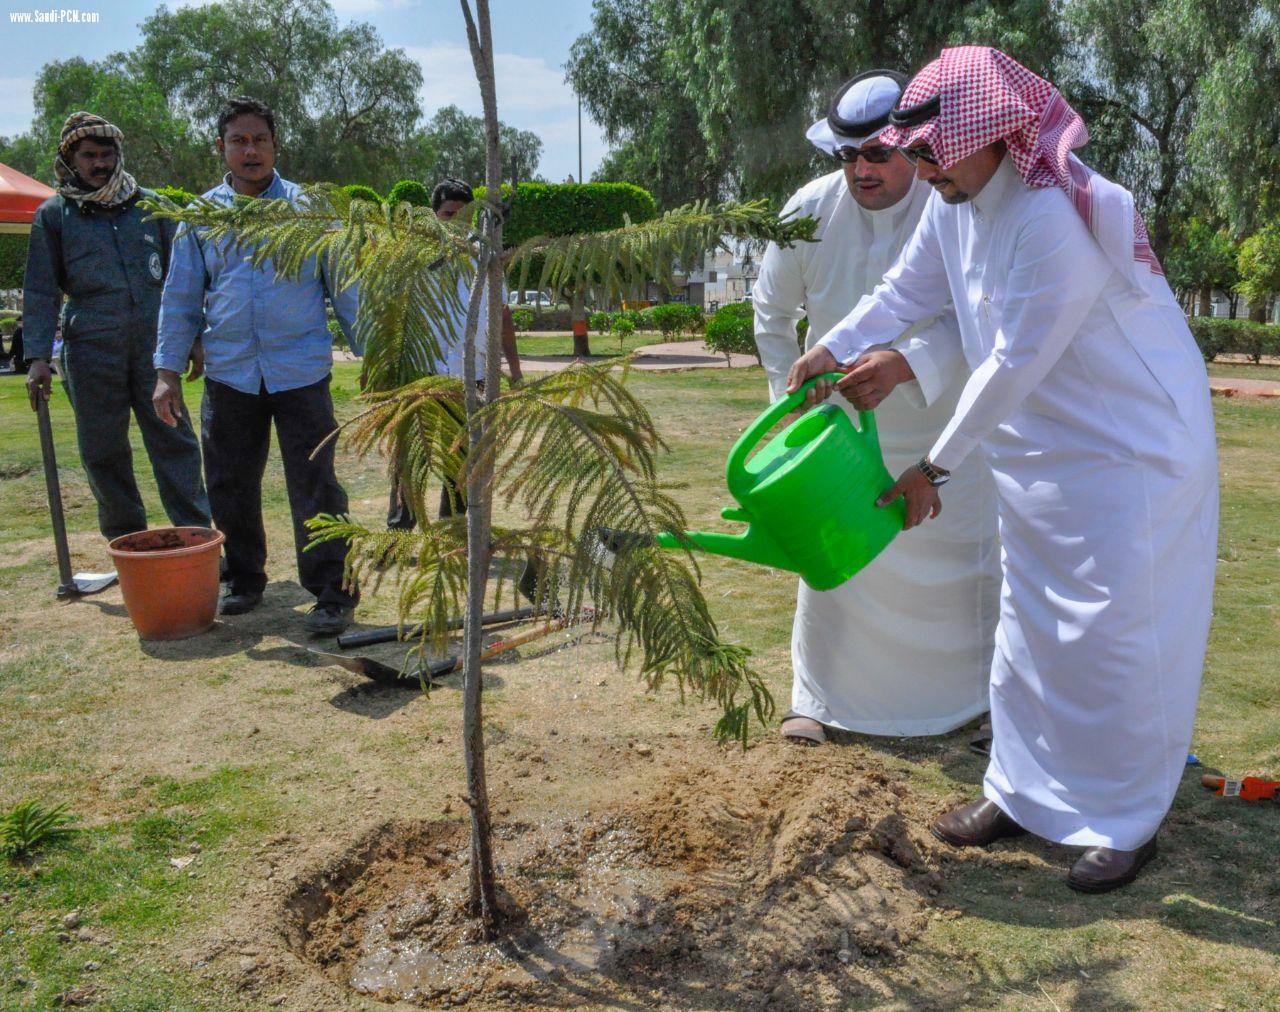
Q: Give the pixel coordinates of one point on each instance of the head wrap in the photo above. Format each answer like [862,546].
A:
[116,190]
[972,96]
[859,111]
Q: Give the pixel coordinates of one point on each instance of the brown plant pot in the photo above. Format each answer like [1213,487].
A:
[169,577]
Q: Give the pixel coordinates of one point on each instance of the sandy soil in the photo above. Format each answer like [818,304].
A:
[779,876]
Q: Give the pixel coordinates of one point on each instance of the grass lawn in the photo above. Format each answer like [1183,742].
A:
[1244,370]
[239,743]
[600,344]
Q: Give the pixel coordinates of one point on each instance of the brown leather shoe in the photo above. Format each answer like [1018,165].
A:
[977,824]
[1101,869]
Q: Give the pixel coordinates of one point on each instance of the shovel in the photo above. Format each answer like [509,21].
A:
[70,585]
[385,674]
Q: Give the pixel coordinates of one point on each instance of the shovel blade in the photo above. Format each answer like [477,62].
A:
[84,584]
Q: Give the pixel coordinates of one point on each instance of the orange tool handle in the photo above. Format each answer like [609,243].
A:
[1248,789]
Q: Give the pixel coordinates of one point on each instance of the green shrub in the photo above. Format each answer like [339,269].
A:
[28,825]
[409,191]
[622,328]
[13,259]
[671,318]
[357,191]
[600,321]
[177,194]
[523,318]
[1216,337]
[731,329]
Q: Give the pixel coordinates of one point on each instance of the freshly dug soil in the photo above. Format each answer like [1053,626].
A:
[782,875]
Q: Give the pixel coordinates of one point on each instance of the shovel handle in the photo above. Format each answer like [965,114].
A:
[54,489]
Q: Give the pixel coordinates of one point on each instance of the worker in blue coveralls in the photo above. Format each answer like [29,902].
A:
[91,242]
[268,358]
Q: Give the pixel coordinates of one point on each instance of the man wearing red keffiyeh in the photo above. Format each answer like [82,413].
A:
[1089,400]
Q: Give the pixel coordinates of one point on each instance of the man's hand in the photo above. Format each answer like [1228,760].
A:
[873,377]
[196,360]
[167,398]
[39,382]
[813,362]
[923,501]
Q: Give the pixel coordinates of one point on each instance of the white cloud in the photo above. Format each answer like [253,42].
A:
[16,110]
[532,95]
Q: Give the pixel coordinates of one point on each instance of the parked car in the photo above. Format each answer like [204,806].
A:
[533,299]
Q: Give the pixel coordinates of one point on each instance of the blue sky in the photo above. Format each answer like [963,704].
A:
[531,41]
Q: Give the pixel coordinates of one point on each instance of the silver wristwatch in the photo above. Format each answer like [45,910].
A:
[936,475]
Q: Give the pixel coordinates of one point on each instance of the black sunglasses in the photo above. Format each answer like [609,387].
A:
[873,156]
[921,154]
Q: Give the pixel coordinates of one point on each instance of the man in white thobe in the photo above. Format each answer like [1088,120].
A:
[1088,398]
[905,647]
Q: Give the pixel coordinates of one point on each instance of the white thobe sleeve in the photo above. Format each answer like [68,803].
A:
[915,288]
[1057,274]
[778,297]
[935,353]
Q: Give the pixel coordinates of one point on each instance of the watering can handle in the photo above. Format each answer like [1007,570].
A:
[736,464]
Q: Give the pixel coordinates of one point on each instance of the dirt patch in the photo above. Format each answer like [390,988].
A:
[780,876]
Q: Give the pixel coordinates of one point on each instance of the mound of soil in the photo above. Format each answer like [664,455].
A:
[781,876]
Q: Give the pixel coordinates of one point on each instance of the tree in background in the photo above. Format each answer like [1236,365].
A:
[347,107]
[632,80]
[160,147]
[458,147]
[1134,71]
[1201,259]
[712,97]
[1259,266]
[1236,137]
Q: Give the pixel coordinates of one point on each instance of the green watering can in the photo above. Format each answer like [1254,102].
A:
[808,497]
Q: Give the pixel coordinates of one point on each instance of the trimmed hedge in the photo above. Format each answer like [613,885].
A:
[409,191]
[358,191]
[177,194]
[732,328]
[13,259]
[565,208]
[1217,336]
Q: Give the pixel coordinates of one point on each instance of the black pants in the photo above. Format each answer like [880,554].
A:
[236,433]
[108,377]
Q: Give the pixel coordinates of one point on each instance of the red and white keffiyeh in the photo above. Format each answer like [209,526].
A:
[986,96]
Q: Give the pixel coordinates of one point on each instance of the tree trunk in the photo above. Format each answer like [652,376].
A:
[1233,305]
[483,891]
[1206,301]
[578,318]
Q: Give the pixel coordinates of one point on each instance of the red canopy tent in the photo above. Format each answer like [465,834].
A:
[19,197]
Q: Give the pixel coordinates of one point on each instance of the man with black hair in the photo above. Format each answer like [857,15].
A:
[268,358]
[91,242]
[448,197]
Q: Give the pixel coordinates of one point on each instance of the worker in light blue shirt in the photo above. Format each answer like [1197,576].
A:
[268,358]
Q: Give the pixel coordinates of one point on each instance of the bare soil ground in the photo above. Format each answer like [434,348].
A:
[777,876]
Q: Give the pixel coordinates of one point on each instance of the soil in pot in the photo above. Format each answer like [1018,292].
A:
[169,578]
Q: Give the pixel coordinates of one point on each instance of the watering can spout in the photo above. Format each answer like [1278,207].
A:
[752,545]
